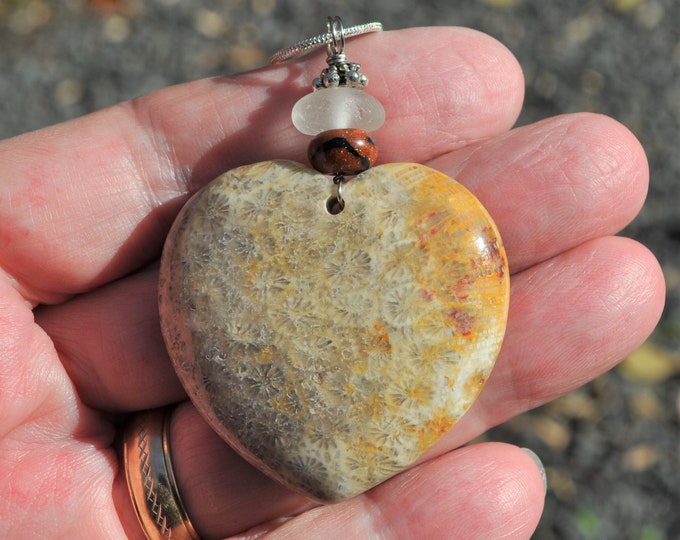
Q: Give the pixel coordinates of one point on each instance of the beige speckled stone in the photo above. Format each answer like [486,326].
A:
[333,350]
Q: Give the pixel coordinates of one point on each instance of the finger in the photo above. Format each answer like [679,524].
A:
[605,297]
[555,184]
[571,319]
[110,344]
[486,491]
[537,199]
[92,199]
[499,486]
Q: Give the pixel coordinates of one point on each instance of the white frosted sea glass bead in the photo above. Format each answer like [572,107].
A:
[337,108]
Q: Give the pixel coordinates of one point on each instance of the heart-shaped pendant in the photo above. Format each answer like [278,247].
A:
[332,350]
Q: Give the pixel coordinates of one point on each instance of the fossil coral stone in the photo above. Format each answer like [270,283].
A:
[332,350]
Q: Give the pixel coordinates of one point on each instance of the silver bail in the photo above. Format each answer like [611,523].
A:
[336,47]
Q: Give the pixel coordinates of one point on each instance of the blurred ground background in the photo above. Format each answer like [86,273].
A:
[612,448]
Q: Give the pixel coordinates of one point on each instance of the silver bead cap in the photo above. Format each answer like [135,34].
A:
[341,73]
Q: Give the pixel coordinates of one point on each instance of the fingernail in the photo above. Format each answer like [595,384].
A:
[540,466]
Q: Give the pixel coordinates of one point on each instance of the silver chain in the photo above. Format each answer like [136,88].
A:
[337,33]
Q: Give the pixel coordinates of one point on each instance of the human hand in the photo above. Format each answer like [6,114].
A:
[84,209]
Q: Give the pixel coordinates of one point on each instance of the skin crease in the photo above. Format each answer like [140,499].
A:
[84,209]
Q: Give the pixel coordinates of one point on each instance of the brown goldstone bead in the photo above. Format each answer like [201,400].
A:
[342,151]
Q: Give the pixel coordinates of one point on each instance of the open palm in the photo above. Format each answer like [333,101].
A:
[85,207]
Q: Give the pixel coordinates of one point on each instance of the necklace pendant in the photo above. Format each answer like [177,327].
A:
[332,332]
[332,349]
